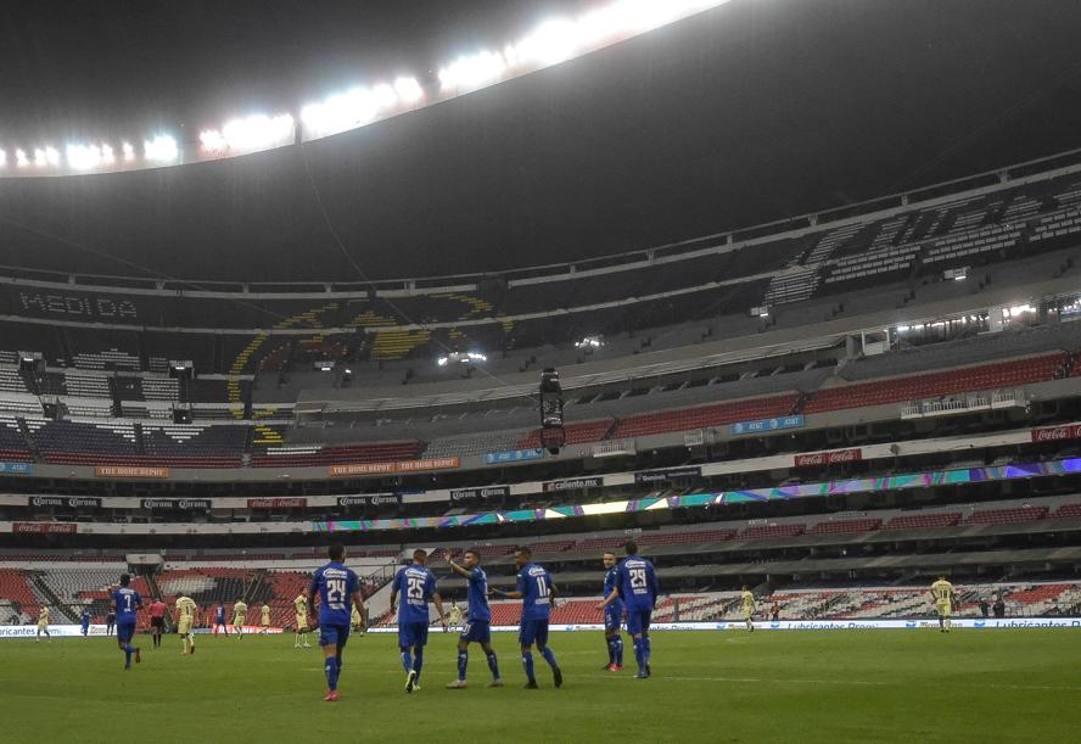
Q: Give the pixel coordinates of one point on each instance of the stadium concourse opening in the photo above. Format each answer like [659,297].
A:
[562,370]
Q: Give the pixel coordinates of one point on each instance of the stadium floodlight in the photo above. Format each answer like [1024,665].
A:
[129,152]
[21,160]
[257,132]
[338,113]
[3,158]
[589,342]
[87,157]
[161,149]
[472,71]
[39,158]
[554,41]
[409,90]
[461,357]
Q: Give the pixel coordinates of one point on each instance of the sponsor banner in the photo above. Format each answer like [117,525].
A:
[177,504]
[423,497]
[56,631]
[770,424]
[649,477]
[404,466]
[1057,433]
[67,502]
[75,305]
[248,630]
[740,626]
[46,528]
[486,492]
[573,484]
[828,458]
[278,503]
[130,471]
[17,468]
[369,499]
[496,458]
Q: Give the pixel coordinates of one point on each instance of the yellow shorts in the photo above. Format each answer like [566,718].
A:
[944,609]
[183,627]
[42,625]
[302,623]
[238,620]
[748,614]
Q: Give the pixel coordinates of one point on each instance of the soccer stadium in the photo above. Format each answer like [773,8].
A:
[548,371]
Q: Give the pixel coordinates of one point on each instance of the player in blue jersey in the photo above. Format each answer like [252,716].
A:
[128,603]
[637,587]
[84,622]
[477,628]
[416,584]
[613,615]
[535,588]
[339,591]
[219,619]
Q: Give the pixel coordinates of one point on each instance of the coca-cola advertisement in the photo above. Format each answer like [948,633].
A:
[278,503]
[43,528]
[812,459]
[1057,433]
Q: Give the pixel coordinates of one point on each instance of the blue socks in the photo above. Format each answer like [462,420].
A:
[550,657]
[463,662]
[527,662]
[647,646]
[418,661]
[611,650]
[640,653]
[407,661]
[128,651]
[332,671]
[493,664]
[618,644]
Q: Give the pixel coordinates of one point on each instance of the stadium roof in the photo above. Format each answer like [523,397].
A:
[756,110]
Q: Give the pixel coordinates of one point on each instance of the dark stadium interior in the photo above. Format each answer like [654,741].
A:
[786,293]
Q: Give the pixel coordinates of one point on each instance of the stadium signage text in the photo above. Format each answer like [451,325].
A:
[177,504]
[572,484]
[78,306]
[664,476]
[375,499]
[23,468]
[130,471]
[67,502]
[1057,433]
[403,466]
[829,458]
[770,424]
[278,503]
[485,492]
[45,528]
[495,458]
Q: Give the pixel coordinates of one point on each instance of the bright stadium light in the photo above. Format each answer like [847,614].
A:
[161,149]
[259,132]
[408,90]
[21,160]
[129,152]
[473,71]
[88,157]
[107,156]
[3,158]
[338,113]
[39,158]
[554,41]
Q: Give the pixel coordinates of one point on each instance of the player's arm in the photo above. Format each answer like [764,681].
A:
[311,596]
[519,589]
[609,599]
[463,572]
[438,600]
[553,592]
[394,595]
[654,585]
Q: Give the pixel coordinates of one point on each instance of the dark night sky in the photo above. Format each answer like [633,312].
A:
[757,110]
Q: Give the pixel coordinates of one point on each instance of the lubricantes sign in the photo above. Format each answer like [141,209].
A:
[812,459]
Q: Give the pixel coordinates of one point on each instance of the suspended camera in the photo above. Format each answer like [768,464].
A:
[552,435]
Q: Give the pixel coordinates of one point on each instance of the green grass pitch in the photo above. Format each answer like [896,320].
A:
[829,686]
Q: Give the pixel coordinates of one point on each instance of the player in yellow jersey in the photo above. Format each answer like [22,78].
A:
[748,607]
[264,619]
[943,596]
[357,621]
[300,604]
[186,612]
[240,614]
[454,617]
[43,624]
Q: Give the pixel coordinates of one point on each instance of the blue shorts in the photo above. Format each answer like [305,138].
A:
[638,621]
[412,635]
[477,631]
[613,617]
[125,632]
[533,631]
[333,635]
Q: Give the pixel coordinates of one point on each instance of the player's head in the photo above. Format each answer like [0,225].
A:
[470,558]
[125,579]
[744,588]
[522,556]
[609,559]
[631,547]
[336,552]
[420,556]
